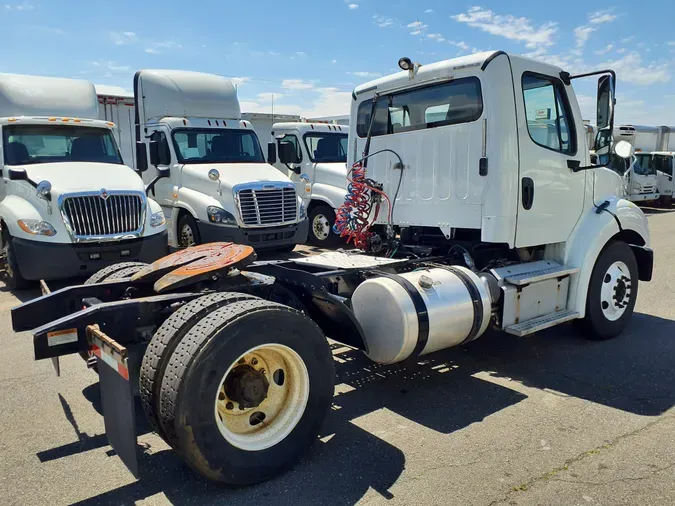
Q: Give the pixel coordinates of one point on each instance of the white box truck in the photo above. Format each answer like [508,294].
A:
[69,205]
[498,229]
[207,169]
[640,180]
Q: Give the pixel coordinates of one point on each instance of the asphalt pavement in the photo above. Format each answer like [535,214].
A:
[548,419]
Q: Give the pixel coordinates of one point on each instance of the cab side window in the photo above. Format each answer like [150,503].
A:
[548,113]
[164,151]
[292,139]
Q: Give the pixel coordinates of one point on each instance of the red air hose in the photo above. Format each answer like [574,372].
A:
[352,218]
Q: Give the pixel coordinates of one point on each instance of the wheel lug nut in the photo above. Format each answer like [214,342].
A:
[254,361]
[229,405]
[221,396]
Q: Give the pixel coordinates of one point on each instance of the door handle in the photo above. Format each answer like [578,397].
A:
[527,193]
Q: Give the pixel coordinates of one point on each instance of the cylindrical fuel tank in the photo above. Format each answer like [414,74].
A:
[394,310]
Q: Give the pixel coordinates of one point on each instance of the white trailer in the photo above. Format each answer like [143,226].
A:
[117,106]
[263,123]
[207,169]
[69,205]
[482,224]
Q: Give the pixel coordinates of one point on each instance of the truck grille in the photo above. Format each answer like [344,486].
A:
[95,216]
[267,206]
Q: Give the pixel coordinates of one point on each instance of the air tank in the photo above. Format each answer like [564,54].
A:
[394,310]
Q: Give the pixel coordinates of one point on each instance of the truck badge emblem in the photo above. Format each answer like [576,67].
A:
[103,194]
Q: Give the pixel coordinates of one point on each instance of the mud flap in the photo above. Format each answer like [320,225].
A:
[117,397]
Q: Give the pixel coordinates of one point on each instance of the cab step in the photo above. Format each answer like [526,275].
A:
[537,271]
[541,323]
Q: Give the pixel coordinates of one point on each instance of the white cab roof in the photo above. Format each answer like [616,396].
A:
[311,127]
[22,95]
[441,69]
[182,93]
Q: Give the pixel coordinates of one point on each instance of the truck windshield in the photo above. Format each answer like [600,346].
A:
[644,165]
[33,144]
[326,148]
[664,164]
[217,146]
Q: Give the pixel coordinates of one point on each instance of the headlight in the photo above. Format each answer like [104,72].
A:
[303,211]
[157,219]
[36,227]
[218,215]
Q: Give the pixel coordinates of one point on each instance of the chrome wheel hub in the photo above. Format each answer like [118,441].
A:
[616,291]
[321,227]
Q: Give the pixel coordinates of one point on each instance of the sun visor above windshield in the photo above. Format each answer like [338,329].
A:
[179,93]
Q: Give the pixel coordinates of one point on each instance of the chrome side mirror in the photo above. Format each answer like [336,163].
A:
[44,190]
[214,175]
[623,149]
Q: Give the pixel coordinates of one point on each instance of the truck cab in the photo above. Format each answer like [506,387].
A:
[314,155]
[661,164]
[68,204]
[207,169]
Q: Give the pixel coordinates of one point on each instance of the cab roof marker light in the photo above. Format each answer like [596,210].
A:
[11,120]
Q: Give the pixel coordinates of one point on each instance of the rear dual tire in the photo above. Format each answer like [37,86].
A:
[240,362]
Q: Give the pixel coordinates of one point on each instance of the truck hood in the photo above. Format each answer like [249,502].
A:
[67,177]
[232,174]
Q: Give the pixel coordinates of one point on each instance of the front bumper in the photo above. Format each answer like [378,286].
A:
[49,261]
[644,197]
[259,238]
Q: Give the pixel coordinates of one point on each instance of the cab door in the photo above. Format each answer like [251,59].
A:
[551,137]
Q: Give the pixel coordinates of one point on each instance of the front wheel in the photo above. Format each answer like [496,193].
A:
[13,277]
[321,233]
[246,390]
[612,293]
[188,233]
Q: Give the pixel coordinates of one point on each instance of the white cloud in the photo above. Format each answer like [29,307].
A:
[151,50]
[630,68]
[18,7]
[365,74]
[112,66]
[353,6]
[416,27]
[627,39]
[582,33]
[383,22]
[428,11]
[296,84]
[333,61]
[437,37]
[508,26]
[269,97]
[122,38]
[238,81]
[607,49]
[600,17]
[671,43]
[461,45]
[301,53]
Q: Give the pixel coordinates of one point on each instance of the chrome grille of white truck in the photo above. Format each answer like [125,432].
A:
[104,214]
[267,204]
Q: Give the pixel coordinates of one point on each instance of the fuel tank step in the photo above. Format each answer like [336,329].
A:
[541,323]
[525,274]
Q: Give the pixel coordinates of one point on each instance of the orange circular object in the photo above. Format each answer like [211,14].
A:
[219,256]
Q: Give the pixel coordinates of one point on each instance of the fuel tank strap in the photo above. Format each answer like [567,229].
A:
[420,309]
[475,299]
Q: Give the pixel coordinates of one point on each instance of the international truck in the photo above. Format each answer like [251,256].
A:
[466,222]
[68,204]
[204,163]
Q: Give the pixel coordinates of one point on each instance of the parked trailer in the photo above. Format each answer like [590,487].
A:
[230,354]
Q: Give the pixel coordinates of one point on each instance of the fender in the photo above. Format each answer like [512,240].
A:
[329,194]
[619,219]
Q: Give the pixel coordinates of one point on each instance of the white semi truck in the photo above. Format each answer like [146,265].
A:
[68,203]
[206,167]
[481,224]
[314,155]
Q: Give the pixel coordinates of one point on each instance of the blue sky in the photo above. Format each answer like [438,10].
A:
[310,54]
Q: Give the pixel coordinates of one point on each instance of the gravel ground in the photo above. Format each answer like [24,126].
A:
[547,419]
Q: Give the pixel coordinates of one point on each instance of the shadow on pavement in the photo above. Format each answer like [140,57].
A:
[634,372]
